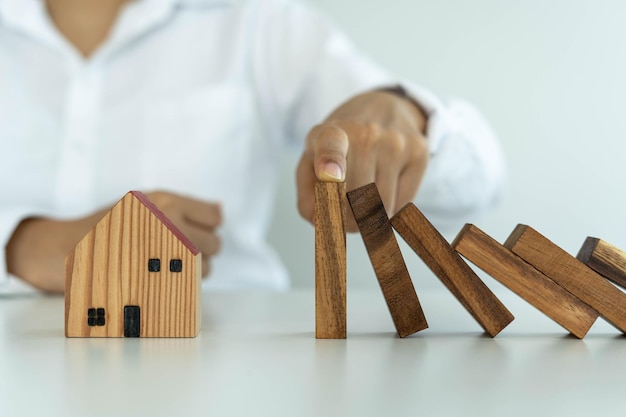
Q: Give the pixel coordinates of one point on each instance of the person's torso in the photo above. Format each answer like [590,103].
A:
[168,102]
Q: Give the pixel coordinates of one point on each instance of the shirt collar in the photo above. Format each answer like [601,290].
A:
[29,17]
[140,16]
[16,11]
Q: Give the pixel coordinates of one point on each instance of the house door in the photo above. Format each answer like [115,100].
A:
[132,321]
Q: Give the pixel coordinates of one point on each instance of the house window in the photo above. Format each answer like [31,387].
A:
[176,265]
[154,265]
[96,317]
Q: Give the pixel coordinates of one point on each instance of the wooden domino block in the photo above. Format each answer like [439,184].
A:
[524,280]
[570,273]
[448,266]
[330,260]
[384,252]
[605,259]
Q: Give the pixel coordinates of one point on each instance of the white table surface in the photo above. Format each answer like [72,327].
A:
[257,356]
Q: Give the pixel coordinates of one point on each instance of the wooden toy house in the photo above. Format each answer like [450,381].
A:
[133,275]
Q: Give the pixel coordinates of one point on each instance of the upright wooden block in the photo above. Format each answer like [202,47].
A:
[570,273]
[330,260]
[387,260]
[448,266]
[524,280]
[605,259]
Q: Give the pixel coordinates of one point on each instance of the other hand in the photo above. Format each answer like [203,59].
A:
[36,251]
[198,220]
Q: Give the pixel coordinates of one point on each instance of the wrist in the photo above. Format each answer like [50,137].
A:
[24,249]
[36,251]
[413,107]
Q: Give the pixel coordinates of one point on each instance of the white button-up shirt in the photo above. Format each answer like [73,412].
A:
[198,97]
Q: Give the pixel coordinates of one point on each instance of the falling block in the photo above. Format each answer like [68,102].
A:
[330,260]
[453,272]
[605,259]
[570,273]
[387,261]
[525,280]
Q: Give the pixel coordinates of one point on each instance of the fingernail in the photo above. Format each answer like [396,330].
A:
[331,172]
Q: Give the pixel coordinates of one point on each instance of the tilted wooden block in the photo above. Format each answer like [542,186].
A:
[384,252]
[605,259]
[570,273]
[133,275]
[525,280]
[448,266]
[330,260]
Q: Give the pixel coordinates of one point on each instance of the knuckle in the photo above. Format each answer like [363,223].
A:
[396,144]
[368,139]
[370,134]
[418,151]
[161,199]
[372,129]
[415,150]
[330,140]
[324,132]
[314,132]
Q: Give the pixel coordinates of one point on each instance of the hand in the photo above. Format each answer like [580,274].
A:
[36,251]
[198,220]
[374,137]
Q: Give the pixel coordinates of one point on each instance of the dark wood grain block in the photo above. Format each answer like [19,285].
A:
[387,261]
[330,260]
[604,258]
[570,273]
[525,280]
[453,272]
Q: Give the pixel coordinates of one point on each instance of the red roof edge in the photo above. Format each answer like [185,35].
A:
[167,222]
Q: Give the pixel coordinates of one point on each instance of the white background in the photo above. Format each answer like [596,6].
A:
[550,78]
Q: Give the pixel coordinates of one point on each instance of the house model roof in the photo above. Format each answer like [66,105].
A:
[166,221]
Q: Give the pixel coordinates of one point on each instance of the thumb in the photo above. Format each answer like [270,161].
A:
[330,149]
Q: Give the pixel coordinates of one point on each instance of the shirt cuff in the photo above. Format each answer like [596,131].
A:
[439,125]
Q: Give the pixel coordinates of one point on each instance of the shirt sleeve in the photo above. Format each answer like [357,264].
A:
[10,218]
[467,169]
[307,67]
